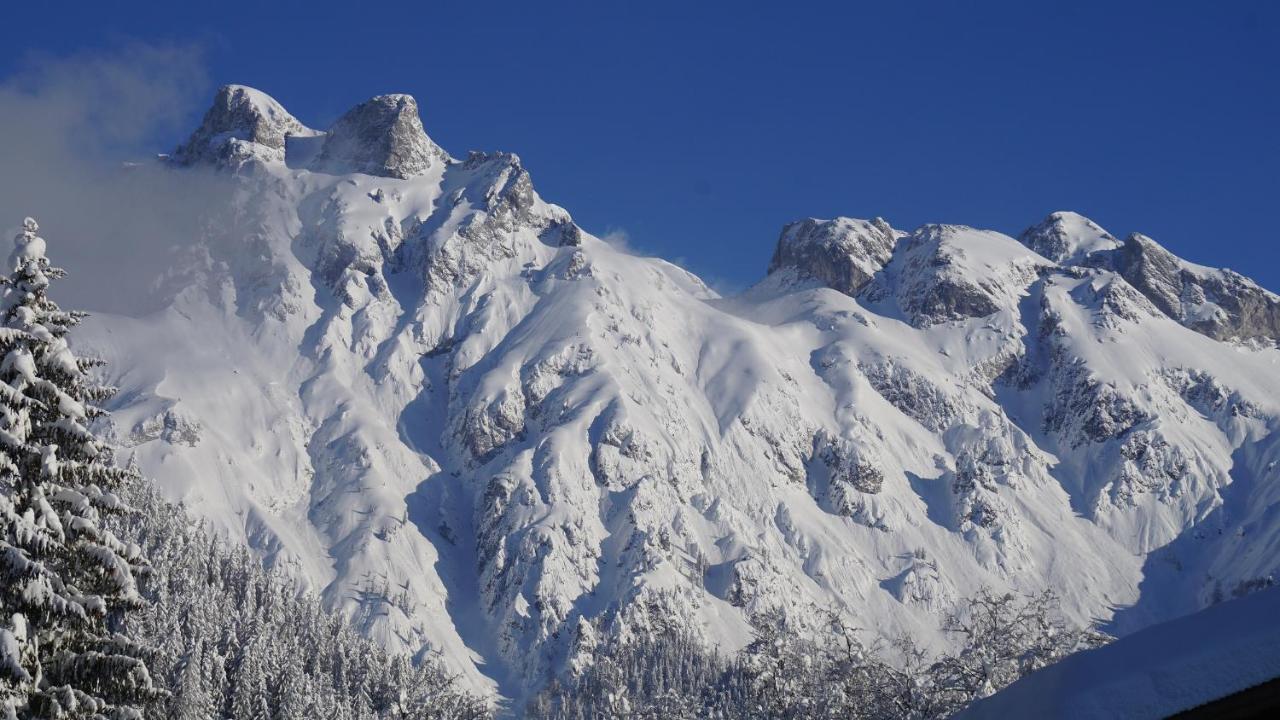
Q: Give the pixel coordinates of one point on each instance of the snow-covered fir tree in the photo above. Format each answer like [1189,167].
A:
[66,582]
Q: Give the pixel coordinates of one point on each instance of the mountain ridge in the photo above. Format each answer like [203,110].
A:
[480,430]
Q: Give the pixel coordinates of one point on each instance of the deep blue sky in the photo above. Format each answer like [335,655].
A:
[700,128]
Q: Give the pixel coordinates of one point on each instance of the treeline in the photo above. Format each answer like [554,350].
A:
[786,673]
[230,639]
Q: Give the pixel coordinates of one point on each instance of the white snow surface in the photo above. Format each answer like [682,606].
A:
[1156,672]
[475,428]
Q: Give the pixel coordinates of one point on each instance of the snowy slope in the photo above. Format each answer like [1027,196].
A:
[478,429]
[1154,673]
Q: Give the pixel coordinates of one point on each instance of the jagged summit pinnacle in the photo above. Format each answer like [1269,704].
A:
[381,136]
[1067,238]
[242,122]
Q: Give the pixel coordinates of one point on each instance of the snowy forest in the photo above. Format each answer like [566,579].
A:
[116,605]
[786,673]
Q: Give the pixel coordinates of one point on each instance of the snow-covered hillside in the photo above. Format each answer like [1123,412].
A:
[478,429]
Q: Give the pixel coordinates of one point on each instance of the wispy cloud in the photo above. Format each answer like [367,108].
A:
[68,127]
[620,239]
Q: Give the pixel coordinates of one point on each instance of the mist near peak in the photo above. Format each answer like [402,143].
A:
[80,136]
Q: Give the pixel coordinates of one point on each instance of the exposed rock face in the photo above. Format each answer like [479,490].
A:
[170,426]
[843,253]
[1067,238]
[1219,303]
[499,184]
[382,136]
[942,273]
[936,274]
[913,394]
[843,475]
[242,123]
[568,235]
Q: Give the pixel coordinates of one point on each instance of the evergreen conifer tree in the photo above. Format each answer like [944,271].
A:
[191,699]
[66,582]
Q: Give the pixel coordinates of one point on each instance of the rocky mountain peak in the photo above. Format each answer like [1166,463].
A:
[241,123]
[1221,304]
[1067,238]
[941,273]
[843,253]
[381,136]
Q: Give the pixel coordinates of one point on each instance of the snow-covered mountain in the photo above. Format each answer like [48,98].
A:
[477,428]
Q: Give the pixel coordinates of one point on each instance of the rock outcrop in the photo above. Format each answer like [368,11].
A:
[382,136]
[1068,238]
[942,273]
[842,254]
[242,123]
[1222,304]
